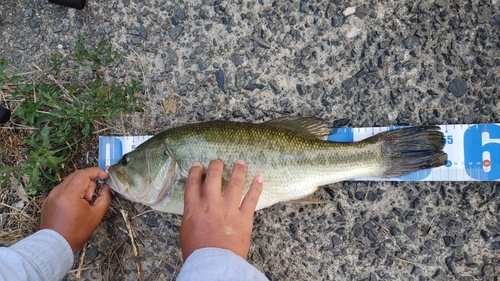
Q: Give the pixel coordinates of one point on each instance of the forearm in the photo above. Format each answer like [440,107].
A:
[45,255]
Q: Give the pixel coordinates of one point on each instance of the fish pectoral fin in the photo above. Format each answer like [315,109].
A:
[309,199]
[311,127]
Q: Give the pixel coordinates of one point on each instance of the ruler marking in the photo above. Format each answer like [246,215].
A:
[456,146]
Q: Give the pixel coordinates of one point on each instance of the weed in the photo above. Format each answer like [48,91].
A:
[63,109]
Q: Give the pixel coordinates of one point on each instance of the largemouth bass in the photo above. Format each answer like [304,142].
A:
[291,153]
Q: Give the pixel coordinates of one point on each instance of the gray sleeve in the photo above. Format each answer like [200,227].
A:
[44,255]
[218,264]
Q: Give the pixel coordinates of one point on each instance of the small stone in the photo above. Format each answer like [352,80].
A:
[91,253]
[152,222]
[135,40]
[355,31]
[28,13]
[179,12]
[341,122]
[416,270]
[201,112]
[360,195]
[143,32]
[384,44]
[458,87]
[201,65]
[337,20]
[253,86]
[301,89]
[349,11]
[348,83]
[357,230]
[411,41]
[439,275]
[221,81]
[175,20]
[495,20]
[35,23]
[448,240]
[411,231]
[172,56]
[441,3]
[79,23]
[336,241]
[370,235]
[485,235]
[362,12]
[175,32]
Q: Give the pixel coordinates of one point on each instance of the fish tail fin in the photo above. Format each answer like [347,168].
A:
[411,149]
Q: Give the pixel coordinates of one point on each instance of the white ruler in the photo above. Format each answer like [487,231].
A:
[473,151]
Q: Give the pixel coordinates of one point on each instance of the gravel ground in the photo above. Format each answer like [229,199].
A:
[358,63]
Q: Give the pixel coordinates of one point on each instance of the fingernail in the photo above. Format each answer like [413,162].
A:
[240,162]
[259,179]
[197,164]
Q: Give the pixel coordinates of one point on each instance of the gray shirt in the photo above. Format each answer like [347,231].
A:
[46,255]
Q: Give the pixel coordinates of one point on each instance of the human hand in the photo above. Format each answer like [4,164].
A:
[213,220]
[68,211]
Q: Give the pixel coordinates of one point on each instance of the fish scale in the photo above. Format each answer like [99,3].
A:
[290,153]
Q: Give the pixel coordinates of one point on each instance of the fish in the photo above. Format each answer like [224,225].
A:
[291,153]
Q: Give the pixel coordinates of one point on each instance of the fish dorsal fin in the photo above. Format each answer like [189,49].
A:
[311,127]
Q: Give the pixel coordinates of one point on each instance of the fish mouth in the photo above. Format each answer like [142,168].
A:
[115,184]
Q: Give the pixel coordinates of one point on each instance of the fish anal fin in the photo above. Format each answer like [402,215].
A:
[309,199]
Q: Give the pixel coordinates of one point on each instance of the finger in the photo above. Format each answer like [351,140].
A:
[89,193]
[192,191]
[102,202]
[213,180]
[79,183]
[236,184]
[252,197]
[83,179]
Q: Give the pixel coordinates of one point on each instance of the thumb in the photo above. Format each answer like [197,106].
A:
[102,202]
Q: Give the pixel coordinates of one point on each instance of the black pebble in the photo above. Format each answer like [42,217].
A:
[341,122]
[4,115]
[458,87]
[152,222]
[221,81]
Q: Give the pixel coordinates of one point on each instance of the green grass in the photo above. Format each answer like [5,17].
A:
[62,109]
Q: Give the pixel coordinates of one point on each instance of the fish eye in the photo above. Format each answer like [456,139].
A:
[125,159]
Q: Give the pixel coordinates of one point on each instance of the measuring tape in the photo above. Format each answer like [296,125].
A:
[473,151]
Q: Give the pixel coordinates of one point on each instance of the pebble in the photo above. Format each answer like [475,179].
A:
[495,21]
[221,81]
[135,40]
[411,41]
[28,13]
[349,83]
[349,11]
[301,89]
[179,12]
[175,32]
[143,32]
[355,31]
[439,275]
[79,23]
[458,87]
[152,222]
[91,253]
